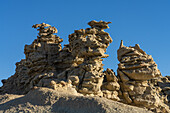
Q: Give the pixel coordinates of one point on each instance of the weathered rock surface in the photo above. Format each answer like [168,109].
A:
[79,62]
[136,64]
[48,100]
[111,87]
[135,71]
[88,47]
[162,86]
[45,59]
[51,77]
[17,82]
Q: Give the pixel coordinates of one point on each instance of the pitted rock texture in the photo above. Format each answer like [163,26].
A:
[41,53]
[135,71]
[45,58]
[17,82]
[88,47]
[162,85]
[136,64]
[111,87]
[78,69]
[79,62]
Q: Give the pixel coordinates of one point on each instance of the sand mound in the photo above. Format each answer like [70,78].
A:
[49,100]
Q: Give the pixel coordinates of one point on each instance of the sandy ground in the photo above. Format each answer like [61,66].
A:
[45,100]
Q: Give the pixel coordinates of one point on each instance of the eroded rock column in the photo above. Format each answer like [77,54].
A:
[41,53]
[88,47]
[38,69]
[135,70]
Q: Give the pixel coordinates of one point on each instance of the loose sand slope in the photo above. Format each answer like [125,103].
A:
[48,100]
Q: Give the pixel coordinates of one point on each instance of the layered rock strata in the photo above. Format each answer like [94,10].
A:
[78,68]
[79,62]
[39,68]
[43,51]
[135,71]
[88,47]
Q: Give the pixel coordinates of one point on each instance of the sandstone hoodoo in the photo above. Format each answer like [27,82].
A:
[135,72]
[75,73]
[88,47]
[38,64]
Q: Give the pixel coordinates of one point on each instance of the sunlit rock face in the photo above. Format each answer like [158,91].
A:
[79,62]
[88,46]
[78,69]
[43,51]
[39,67]
[136,64]
[110,86]
[162,85]
[135,71]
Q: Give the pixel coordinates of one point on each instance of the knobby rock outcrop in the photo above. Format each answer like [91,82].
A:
[78,68]
[135,72]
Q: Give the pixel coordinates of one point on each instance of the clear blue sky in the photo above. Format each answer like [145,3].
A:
[146,22]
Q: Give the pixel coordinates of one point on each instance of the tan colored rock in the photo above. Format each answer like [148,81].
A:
[16,83]
[99,25]
[127,98]
[39,68]
[78,68]
[74,80]
[135,71]
[88,47]
[136,64]
[162,85]
[42,52]
[53,85]
[79,62]
[110,76]
[123,77]
[111,87]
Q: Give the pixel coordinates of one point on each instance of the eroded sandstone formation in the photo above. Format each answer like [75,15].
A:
[162,85]
[88,47]
[78,68]
[17,82]
[79,62]
[135,71]
[111,87]
[39,67]
[41,53]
